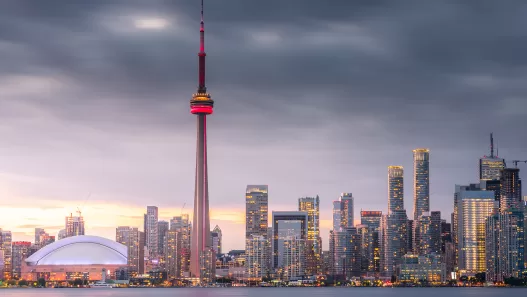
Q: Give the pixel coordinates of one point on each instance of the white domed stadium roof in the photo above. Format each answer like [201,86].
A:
[81,250]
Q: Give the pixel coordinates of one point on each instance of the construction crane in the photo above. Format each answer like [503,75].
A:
[183,208]
[515,162]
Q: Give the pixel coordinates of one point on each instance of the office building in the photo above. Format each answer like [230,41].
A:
[182,225]
[421,190]
[151,231]
[162,229]
[371,218]
[256,210]
[216,239]
[345,252]
[505,245]
[429,268]
[61,234]
[289,236]
[473,207]
[337,215]
[459,189]
[311,205]
[20,250]
[133,239]
[173,254]
[490,167]
[347,210]
[74,225]
[511,190]
[42,238]
[6,247]
[257,257]
[394,237]
[371,248]
[421,182]
[395,188]
[429,233]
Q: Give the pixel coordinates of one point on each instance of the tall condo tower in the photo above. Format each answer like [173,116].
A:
[201,255]
[421,182]
[395,188]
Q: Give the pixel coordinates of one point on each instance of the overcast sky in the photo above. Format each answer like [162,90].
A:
[311,97]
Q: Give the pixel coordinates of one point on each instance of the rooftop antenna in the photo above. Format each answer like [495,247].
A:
[491,146]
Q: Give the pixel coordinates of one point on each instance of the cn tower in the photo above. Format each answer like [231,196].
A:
[202,264]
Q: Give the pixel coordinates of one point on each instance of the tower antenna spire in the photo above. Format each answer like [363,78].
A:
[201,54]
[491,146]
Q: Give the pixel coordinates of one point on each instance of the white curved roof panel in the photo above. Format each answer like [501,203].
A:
[81,250]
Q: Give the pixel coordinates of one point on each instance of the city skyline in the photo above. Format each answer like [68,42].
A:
[58,149]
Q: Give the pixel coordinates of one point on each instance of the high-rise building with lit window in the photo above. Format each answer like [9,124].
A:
[257,257]
[289,241]
[490,166]
[395,188]
[182,225]
[162,229]
[510,189]
[337,215]
[421,182]
[347,209]
[345,248]
[173,254]
[256,210]
[216,239]
[393,237]
[311,205]
[473,207]
[74,225]
[133,239]
[20,253]
[370,232]
[6,247]
[151,230]
[505,245]
[429,233]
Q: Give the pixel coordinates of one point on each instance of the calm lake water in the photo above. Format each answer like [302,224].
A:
[269,292]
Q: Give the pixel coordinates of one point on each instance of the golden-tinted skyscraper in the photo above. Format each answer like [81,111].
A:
[311,205]
[395,188]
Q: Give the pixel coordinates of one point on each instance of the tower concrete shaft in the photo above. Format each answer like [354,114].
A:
[202,257]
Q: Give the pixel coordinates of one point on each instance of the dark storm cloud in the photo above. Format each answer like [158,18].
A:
[311,96]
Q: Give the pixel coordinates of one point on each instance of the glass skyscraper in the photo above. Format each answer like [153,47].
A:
[421,182]
[395,188]
[311,205]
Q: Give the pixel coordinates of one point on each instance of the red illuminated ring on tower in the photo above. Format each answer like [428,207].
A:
[201,109]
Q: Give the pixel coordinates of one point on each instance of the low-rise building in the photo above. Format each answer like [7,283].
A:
[425,268]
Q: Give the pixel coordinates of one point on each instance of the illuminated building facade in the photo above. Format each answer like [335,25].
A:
[429,233]
[370,232]
[257,255]
[490,167]
[311,205]
[511,189]
[393,237]
[74,225]
[395,188]
[151,230]
[134,241]
[182,225]
[459,189]
[20,250]
[337,215]
[421,189]
[347,210]
[345,252]
[162,229]
[202,258]
[6,247]
[505,245]
[474,207]
[216,239]
[289,235]
[414,268]
[256,210]
[173,254]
